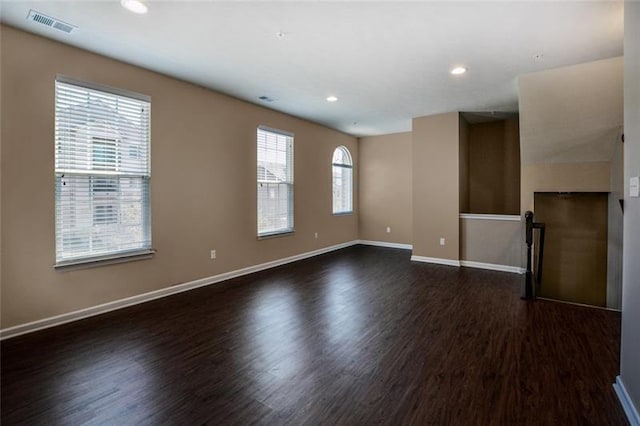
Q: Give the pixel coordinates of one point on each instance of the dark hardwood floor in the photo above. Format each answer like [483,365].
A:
[358,336]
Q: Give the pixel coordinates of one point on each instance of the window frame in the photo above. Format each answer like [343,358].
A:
[108,178]
[349,166]
[290,184]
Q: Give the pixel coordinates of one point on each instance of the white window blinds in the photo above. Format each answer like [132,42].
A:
[102,168]
[275,182]
[342,181]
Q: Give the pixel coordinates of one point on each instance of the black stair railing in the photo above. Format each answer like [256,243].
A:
[529,288]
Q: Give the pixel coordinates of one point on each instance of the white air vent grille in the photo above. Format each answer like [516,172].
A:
[43,19]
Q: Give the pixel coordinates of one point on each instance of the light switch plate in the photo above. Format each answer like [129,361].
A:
[634,186]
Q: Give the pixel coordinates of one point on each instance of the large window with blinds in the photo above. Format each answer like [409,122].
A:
[342,167]
[102,173]
[275,182]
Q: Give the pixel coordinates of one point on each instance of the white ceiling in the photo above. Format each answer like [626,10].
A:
[386,61]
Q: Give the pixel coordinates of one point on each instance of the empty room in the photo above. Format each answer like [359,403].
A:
[341,212]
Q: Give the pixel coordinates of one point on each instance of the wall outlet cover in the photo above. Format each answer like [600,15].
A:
[634,186]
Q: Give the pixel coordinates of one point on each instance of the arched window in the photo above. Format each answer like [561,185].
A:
[342,181]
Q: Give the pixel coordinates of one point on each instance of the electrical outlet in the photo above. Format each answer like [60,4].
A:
[388,229]
[213,254]
[441,241]
[315,235]
[634,186]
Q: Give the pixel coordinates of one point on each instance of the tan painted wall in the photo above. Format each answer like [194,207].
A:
[572,113]
[570,122]
[494,164]
[486,180]
[570,119]
[563,177]
[385,188]
[203,189]
[492,241]
[464,164]
[435,141]
[512,165]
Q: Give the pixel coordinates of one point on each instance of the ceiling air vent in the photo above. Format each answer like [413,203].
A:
[43,19]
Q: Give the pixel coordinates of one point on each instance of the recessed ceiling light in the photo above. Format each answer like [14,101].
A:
[458,70]
[332,98]
[281,35]
[135,6]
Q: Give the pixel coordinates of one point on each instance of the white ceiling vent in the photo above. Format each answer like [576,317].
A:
[43,19]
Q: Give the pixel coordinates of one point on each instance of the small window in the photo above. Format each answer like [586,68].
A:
[342,181]
[102,171]
[275,182]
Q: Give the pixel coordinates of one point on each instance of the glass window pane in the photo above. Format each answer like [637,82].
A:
[275,182]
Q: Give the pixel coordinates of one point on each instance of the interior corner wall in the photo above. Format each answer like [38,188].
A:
[385,188]
[436,199]
[630,351]
[203,187]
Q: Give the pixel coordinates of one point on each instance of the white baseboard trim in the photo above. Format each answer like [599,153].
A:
[626,402]
[584,305]
[386,244]
[157,294]
[436,260]
[492,267]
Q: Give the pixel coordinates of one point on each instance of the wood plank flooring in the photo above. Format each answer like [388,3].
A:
[357,336]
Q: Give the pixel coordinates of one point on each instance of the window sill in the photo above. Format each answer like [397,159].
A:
[95,262]
[275,235]
[343,213]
